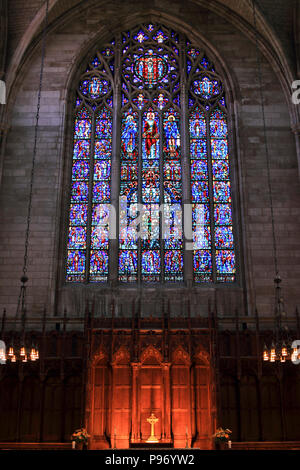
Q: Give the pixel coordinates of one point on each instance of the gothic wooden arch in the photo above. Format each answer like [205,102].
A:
[150,353]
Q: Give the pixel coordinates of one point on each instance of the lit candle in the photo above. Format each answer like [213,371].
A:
[73,444]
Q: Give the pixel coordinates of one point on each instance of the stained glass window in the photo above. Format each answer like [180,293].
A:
[214,254]
[88,240]
[150,107]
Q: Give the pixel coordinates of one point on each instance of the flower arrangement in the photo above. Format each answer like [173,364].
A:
[222,434]
[80,436]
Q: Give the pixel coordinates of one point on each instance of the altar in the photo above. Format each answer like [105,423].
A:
[152,442]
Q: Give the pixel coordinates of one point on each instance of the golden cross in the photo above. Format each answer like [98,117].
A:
[152,420]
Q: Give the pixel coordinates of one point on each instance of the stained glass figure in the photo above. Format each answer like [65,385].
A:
[150,149]
[76,254]
[101,196]
[150,68]
[223,236]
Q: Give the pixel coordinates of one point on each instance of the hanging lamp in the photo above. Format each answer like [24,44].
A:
[23,353]
[280,349]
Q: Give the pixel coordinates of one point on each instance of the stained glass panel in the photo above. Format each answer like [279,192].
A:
[151,150]
[128,247]
[77,231]
[223,231]
[101,196]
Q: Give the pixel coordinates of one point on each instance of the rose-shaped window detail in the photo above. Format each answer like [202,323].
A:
[150,68]
[94,87]
[206,88]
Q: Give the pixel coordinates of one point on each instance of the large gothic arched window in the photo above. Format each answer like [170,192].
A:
[150,138]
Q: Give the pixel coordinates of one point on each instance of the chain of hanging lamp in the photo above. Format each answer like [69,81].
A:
[22,353]
[280,349]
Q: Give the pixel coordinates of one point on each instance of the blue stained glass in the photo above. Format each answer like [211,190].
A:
[173,190]
[78,214]
[225,260]
[81,149]
[130,191]
[201,214]
[76,262]
[223,214]
[104,125]
[95,62]
[197,124]
[102,149]
[102,170]
[150,262]
[173,244]
[129,172]
[99,237]
[129,135]
[94,87]
[150,244]
[173,261]
[161,100]
[193,52]
[127,244]
[198,148]
[77,237]
[160,37]
[150,148]
[150,165]
[140,100]
[172,171]
[84,113]
[202,261]
[205,62]
[101,192]
[79,192]
[150,192]
[140,36]
[109,100]
[200,191]
[206,88]
[222,191]
[150,68]
[99,262]
[82,129]
[218,125]
[98,87]
[219,149]
[220,170]
[127,262]
[199,170]
[223,237]
[150,172]
[201,237]
[150,135]
[80,170]
[100,215]
[171,134]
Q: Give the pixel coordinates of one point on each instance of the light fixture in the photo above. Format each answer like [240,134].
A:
[281,347]
[23,353]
